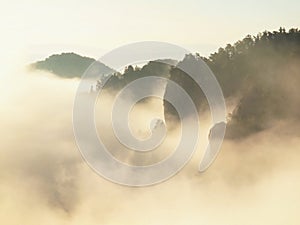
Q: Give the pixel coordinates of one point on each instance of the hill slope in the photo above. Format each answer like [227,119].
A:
[262,71]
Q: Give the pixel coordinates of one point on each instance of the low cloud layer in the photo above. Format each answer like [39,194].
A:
[44,180]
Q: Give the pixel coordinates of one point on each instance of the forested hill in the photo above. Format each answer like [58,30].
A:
[69,65]
[253,56]
[262,73]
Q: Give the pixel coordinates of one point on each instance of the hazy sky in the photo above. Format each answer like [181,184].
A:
[37,28]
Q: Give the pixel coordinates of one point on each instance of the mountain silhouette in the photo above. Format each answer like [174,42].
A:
[69,65]
[261,73]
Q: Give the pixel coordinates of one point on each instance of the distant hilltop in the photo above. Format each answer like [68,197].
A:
[68,65]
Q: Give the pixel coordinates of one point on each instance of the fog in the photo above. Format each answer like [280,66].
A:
[44,179]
